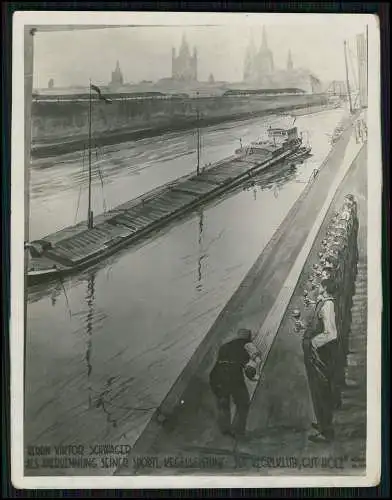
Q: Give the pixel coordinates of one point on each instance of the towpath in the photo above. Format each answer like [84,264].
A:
[185,422]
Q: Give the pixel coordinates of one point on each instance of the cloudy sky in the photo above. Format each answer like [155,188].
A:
[144,52]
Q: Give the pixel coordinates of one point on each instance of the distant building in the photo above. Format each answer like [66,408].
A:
[50,83]
[117,76]
[260,71]
[258,63]
[337,88]
[184,66]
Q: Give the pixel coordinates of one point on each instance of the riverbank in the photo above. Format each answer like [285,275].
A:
[189,400]
[281,410]
[50,146]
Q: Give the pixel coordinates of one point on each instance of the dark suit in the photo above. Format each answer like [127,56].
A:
[227,381]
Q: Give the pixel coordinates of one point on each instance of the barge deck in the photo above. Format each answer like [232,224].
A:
[77,247]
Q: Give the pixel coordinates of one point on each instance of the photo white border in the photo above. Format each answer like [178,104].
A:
[373,446]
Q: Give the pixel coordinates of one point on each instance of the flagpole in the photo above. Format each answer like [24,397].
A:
[89,213]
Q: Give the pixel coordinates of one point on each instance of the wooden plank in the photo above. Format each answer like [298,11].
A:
[131,213]
[210,180]
[185,197]
[131,221]
[112,230]
[107,229]
[141,223]
[200,187]
[233,170]
[91,237]
[164,207]
[173,200]
[143,218]
[64,244]
[195,190]
[70,244]
[69,255]
[80,239]
[158,213]
[238,169]
[192,188]
[147,213]
[172,206]
[127,221]
[222,177]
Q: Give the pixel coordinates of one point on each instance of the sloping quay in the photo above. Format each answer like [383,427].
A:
[268,330]
[312,206]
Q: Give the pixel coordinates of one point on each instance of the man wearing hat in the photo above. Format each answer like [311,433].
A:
[320,350]
[227,382]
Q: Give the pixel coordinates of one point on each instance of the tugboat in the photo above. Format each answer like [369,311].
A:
[276,141]
[302,152]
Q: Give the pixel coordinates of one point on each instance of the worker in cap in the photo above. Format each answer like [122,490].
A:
[227,382]
[319,347]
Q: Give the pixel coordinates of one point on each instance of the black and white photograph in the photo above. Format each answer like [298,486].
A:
[196,248]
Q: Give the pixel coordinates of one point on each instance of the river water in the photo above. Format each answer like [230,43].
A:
[104,348]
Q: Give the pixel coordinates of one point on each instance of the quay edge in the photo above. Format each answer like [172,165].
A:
[264,274]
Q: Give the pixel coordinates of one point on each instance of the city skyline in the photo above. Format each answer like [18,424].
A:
[145,53]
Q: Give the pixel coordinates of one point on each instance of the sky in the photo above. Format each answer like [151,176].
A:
[144,52]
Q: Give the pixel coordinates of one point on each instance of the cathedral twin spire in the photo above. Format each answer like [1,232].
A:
[184,66]
[257,65]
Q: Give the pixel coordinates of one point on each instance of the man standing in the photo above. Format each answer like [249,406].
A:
[320,355]
[227,382]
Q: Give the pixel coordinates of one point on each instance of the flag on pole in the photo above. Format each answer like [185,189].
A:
[100,95]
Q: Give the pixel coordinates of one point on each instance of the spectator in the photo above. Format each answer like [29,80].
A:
[320,349]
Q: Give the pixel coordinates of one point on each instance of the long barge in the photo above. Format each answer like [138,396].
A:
[77,247]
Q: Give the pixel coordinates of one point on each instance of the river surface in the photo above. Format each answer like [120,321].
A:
[105,347]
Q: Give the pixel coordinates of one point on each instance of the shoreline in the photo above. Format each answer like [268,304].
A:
[46,149]
[192,378]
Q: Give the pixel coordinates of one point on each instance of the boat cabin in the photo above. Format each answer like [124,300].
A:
[282,134]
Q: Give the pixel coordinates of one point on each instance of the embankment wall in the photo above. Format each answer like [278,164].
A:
[64,120]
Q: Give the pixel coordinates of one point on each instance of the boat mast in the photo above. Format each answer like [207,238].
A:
[347,81]
[89,212]
[198,135]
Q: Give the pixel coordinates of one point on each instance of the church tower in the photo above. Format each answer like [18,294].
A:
[184,66]
[117,76]
[249,64]
[266,60]
[259,65]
